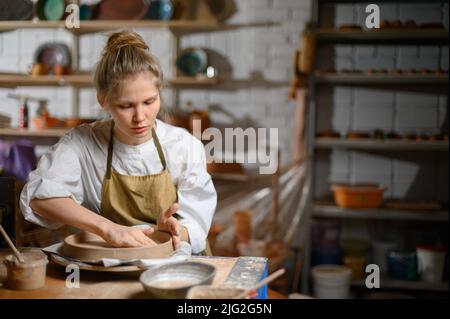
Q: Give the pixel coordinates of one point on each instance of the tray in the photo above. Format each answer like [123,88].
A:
[61,261]
[88,247]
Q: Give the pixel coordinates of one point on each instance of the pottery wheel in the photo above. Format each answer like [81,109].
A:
[88,247]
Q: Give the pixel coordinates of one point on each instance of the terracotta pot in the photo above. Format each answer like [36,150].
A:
[39,69]
[242,226]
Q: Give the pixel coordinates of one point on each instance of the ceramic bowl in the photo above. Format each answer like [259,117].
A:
[173,281]
[160,10]
[192,61]
[51,54]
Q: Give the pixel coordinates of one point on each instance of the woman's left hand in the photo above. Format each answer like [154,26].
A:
[166,222]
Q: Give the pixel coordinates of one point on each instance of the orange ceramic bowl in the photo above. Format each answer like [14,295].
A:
[358,196]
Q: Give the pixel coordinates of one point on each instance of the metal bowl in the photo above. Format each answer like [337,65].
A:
[172,281]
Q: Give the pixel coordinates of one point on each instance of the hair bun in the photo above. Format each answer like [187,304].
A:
[119,40]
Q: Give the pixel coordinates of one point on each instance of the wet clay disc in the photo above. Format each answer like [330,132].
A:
[88,247]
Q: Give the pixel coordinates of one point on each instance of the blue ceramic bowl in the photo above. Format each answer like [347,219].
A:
[160,10]
[192,61]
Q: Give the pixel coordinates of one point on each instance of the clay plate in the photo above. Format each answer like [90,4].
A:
[89,247]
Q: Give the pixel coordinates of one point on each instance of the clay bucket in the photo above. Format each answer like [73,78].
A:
[29,275]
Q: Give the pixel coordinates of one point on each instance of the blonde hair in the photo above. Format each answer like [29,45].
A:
[125,54]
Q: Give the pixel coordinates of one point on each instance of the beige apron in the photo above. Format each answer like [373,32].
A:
[134,200]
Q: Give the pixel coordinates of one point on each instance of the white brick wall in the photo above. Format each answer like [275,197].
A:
[267,50]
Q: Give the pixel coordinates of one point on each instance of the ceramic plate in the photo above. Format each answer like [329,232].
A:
[16,9]
[121,10]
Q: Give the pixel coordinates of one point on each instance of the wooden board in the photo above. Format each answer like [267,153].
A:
[89,247]
[98,285]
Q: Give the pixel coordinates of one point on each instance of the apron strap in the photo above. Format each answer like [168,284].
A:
[159,149]
[110,151]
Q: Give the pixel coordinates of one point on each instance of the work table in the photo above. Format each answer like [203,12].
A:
[241,272]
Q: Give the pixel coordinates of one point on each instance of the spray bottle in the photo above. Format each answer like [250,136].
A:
[23,113]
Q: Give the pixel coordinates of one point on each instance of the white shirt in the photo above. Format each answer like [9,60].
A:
[76,165]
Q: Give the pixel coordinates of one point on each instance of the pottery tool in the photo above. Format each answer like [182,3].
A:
[263,282]
[11,245]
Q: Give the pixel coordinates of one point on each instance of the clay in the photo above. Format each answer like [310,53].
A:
[89,247]
[173,284]
[29,275]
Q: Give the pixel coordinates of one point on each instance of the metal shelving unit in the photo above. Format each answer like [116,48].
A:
[360,79]
[370,144]
[431,83]
[388,283]
[331,211]
[403,35]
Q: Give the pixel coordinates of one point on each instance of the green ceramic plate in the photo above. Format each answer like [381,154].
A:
[54,9]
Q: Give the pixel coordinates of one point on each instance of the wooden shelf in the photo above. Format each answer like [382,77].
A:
[84,80]
[413,36]
[388,283]
[15,80]
[370,144]
[343,78]
[176,26]
[194,81]
[47,136]
[331,211]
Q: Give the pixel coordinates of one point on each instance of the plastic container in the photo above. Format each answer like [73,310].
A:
[331,281]
[29,275]
[380,252]
[430,262]
[358,196]
[402,265]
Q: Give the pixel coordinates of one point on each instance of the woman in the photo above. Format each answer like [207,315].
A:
[133,169]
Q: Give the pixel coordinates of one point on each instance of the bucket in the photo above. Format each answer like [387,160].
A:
[29,275]
[430,262]
[380,251]
[331,281]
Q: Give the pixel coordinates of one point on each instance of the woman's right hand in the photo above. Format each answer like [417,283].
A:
[125,237]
